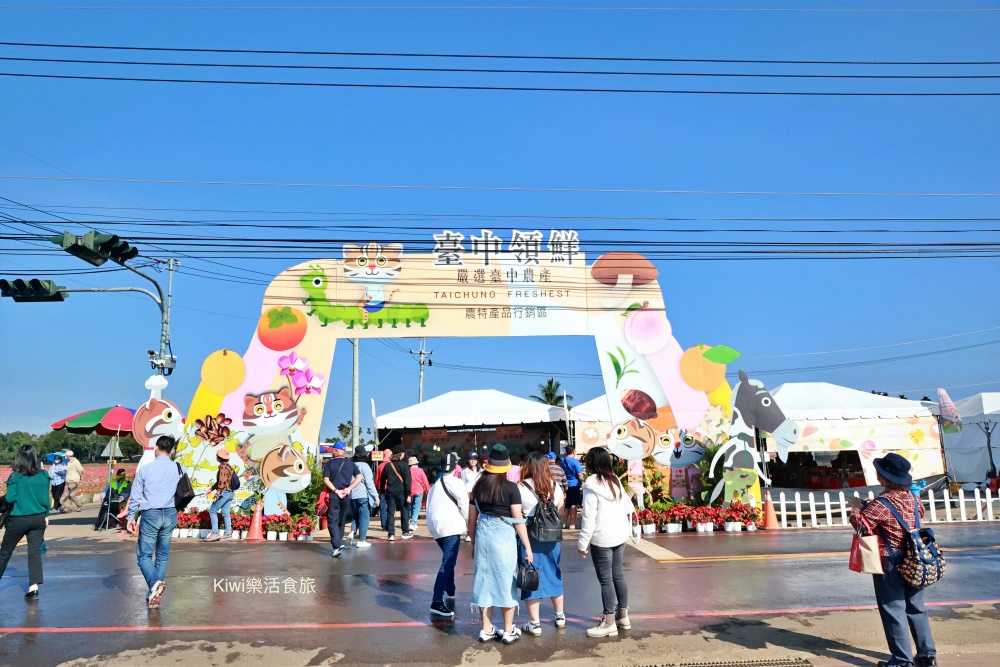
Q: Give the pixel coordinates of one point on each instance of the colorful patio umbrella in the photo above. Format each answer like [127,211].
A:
[103,421]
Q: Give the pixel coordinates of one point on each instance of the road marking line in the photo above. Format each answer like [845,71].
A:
[420,624]
[816,554]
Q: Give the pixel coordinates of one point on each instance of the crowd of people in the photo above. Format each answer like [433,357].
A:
[512,513]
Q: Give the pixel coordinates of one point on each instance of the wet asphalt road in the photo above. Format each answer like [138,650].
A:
[96,585]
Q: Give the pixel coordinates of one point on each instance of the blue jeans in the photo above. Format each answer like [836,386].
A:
[223,502]
[362,515]
[899,606]
[416,501]
[155,527]
[445,581]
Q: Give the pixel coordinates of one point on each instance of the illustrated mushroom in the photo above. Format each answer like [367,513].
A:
[622,270]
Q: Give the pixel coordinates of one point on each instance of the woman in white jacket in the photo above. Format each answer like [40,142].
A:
[606,526]
[447,516]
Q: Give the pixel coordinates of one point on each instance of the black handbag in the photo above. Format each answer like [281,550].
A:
[527,577]
[5,509]
[185,492]
[544,525]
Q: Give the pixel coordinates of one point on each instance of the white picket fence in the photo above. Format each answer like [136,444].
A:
[799,512]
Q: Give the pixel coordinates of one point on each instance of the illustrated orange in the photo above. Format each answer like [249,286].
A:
[223,371]
[700,373]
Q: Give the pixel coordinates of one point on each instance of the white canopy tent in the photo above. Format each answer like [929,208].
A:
[811,401]
[480,407]
[833,419]
[965,451]
[594,410]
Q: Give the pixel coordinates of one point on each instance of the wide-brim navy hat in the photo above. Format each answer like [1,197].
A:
[894,468]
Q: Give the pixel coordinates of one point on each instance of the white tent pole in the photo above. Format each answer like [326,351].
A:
[569,433]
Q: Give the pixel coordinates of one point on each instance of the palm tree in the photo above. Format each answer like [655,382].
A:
[550,393]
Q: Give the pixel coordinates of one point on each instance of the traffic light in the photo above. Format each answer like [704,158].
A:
[96,248]
[32,290]
[116,249]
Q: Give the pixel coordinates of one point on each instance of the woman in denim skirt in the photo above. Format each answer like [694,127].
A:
[495,525]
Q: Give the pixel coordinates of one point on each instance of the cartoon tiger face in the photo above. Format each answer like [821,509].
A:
[269,413]
[372,263]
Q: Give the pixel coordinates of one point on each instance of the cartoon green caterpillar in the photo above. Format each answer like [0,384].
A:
[315,284]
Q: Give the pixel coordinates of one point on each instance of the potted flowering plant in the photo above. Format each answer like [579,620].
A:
[182,524]
[204,524]
[732,518]
[703,518]
[302,527]
[673,518]
[273,524]
[753,518]
[241,524]
[647,519]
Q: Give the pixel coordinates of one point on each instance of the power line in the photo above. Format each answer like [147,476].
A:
[379,215]
[516,8]
[522,89]
[496,56]
[875,347]
[482,188]
[472,70]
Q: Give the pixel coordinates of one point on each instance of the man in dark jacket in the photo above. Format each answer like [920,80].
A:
[395,484]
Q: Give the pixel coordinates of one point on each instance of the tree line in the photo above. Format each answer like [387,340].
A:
[86,447]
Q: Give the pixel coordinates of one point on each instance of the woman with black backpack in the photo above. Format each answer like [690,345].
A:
[541,501]
[900,605]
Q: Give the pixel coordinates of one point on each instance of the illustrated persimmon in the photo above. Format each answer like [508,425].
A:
[700,373]
[223,371]
[281,329]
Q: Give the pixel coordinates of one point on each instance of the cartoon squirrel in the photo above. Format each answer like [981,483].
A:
[154,418]
[284,470]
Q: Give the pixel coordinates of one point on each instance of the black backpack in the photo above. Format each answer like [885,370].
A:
[544,525]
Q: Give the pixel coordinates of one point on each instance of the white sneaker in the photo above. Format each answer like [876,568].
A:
[362,544]
[391,538]
[468,539]
[560,620]
[512,636]
[488,636]
[407,536]
[534,629]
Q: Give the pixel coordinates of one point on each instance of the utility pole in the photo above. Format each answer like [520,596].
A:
[423,359]
[355,429]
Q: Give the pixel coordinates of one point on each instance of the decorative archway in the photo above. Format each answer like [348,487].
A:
[266,405]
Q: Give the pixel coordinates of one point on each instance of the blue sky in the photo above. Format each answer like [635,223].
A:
[89,352]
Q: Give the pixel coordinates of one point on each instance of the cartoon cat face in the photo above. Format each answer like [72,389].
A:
[632,440]
[285,469]
[270,413]
[372,263]
[154,418]
[678,449]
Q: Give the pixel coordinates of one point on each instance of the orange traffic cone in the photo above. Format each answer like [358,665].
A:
[256,531]
[770,517]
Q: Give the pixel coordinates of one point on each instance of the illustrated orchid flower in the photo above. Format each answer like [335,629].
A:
[292,364]
[307,382]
